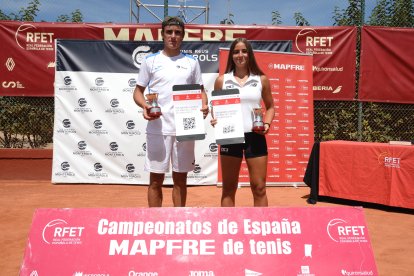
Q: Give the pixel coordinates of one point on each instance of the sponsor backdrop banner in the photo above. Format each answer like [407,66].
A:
[30,44]
[386,66]
[290,139]
[199,241]
[99,132]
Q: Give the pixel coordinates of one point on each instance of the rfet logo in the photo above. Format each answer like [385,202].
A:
[58,230]
[340,230]
[28,38]
[385,158]
[307,41]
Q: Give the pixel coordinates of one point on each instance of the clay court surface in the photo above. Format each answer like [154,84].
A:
[25,186]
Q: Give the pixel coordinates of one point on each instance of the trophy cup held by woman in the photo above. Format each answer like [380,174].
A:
[258,125]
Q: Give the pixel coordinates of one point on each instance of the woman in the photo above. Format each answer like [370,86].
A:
[243,73]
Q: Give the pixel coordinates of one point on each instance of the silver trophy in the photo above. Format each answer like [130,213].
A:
[155,110]
[258,124]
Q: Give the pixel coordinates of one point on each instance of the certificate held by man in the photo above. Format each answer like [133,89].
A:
[227,112]
[189,121]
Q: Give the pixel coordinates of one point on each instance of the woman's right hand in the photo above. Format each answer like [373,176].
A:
[213,122]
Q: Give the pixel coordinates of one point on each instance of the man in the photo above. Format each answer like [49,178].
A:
[158,73]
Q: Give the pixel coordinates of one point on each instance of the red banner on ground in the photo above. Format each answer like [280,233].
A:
[387,65]
[27,51]
[199,241]
[371,172]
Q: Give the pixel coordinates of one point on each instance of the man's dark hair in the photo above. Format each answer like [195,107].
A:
[172,21]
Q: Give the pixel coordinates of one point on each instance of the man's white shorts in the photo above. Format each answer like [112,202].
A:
[163,149]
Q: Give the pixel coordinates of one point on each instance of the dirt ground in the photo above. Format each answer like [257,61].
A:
[25,185]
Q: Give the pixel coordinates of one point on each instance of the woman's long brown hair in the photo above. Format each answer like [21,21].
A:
[252,64]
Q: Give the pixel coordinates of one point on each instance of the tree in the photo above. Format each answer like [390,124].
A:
[393,13]
[276,18]
[402,13]
[300,19]
[25,14]
[63,18]
[4,16]
[380,15]
[351,16]
[30,13]
[76,17]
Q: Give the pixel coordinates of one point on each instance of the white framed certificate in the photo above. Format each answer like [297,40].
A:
[189,120]
[227,111]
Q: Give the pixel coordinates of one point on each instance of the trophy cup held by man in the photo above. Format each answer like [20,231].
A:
[155,110]
[258,125]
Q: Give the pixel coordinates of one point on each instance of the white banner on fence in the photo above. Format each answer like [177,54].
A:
[99,132]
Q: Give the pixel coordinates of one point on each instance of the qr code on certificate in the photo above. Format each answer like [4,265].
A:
[189,123]
[228,129]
